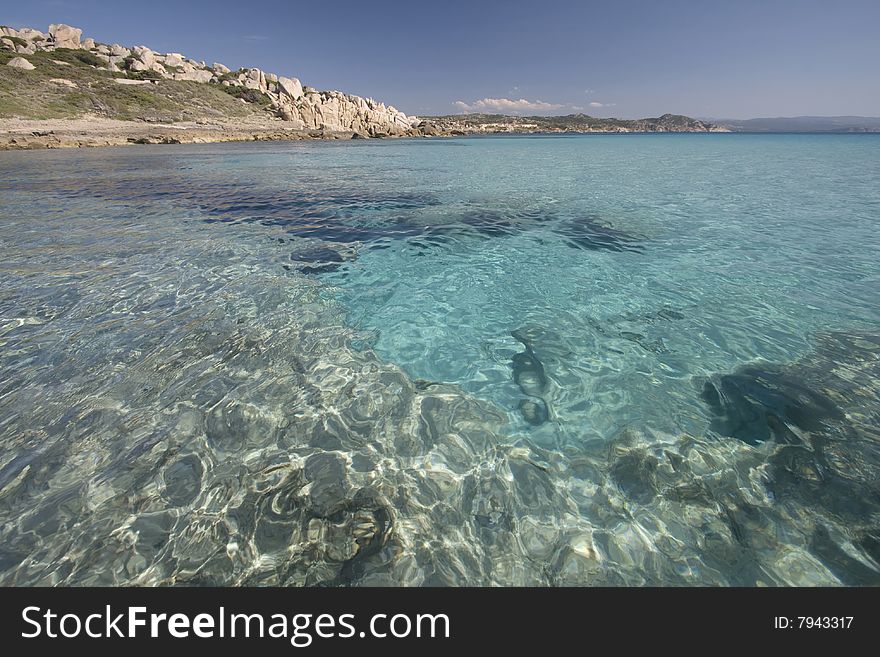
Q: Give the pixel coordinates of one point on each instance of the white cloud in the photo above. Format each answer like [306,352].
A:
[503,105]
[589,91]
[597,104]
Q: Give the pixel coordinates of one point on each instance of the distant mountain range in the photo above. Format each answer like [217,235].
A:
[802,124]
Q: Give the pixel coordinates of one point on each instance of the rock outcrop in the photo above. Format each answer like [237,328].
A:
[303,108]
[64,36]
[20,62]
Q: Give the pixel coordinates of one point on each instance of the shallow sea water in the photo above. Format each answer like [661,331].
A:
[622,359]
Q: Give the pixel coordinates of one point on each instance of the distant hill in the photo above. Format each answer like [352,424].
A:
[804,124]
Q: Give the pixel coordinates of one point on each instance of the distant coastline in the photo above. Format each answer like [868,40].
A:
[569,124]
[803,124]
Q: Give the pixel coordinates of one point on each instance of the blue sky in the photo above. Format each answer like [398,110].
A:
[626,58]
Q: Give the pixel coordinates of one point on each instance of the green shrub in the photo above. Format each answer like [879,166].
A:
[248,95]
[229,77]
[75,57]
[89,58]
[144,75]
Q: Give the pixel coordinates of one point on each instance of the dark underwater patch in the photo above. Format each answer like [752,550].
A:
[318,260]
[337,214]
[591,234]
[822,411]
[585,233]
[757,403]
[849,570]
[481,223]
[360,215]
[496,223]
[534,411]
[329,217]
[530,377]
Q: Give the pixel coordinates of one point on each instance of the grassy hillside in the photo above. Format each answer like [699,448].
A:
[38,94]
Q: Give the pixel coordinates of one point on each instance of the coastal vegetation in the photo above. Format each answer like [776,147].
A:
[64,85]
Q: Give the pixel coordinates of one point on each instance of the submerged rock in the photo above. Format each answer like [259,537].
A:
[755,404]
[326,474]
[529,375]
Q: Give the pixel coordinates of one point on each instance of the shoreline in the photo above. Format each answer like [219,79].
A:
[54,134]
[92,132]
[34,134]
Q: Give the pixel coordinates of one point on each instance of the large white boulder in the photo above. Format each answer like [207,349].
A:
[255,79]
[20,62]
[194,76]
[145,55]
[173,59]
[26,48]
[291,87]
[31,34]
[64,36]
[119,51]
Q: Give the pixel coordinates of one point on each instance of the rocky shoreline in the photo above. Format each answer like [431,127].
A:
[88,133]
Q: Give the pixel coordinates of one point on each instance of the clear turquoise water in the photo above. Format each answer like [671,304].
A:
[511,360]
[749,245]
